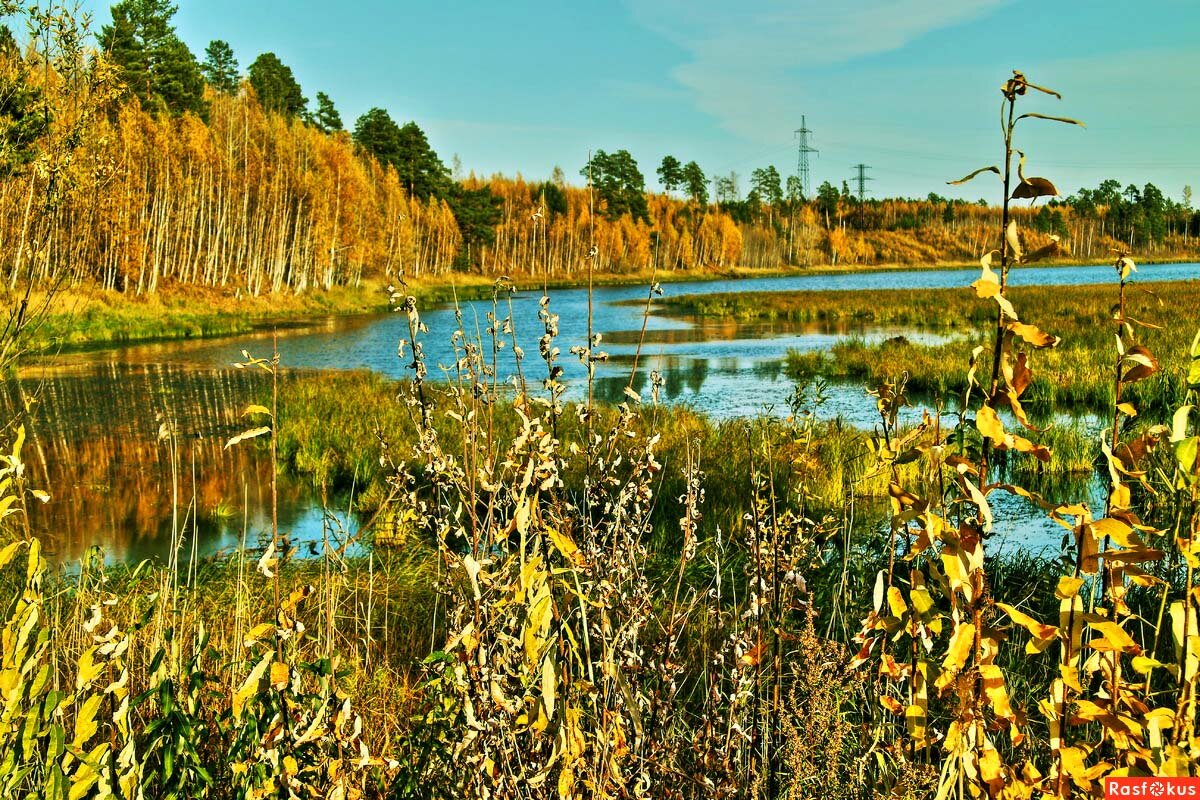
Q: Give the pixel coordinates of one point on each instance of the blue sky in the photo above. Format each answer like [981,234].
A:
[910,87]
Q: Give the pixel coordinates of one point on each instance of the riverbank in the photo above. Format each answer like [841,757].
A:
[75,320]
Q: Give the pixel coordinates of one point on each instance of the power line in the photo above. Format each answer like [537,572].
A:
[802,151]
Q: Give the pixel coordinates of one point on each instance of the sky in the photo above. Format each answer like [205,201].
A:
[908,87]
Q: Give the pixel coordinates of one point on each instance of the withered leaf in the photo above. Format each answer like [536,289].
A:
[973,175]
[1034,188]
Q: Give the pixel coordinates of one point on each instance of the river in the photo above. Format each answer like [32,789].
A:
[122,480]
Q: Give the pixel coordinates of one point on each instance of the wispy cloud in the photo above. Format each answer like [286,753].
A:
[741,54]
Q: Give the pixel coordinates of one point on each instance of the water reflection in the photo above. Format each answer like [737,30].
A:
[94,418]
[134,460]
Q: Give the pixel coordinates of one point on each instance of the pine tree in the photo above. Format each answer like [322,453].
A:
[157,66]
[477,211]
[695,183]
[276,86]
[220,67]
[178,81]
[420,170]
[24,115]
[670,173]
[327,117]
[619,183]
[376,133]
[128,51]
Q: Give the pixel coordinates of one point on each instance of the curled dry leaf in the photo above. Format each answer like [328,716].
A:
[266,563]
[1033,188]
[1033,335]
[1014,242]
[1067,120]
[1143,362]
[1054,248]
[989,425]
[1126,266]
[988,285]
[250,434]
[973,175]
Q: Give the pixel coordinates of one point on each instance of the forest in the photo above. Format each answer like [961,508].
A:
[136,167]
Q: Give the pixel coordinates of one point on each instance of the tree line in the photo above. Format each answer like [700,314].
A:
[139,165]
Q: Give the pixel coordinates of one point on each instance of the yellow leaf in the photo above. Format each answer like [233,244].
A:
[1114,638]
[1073,761]
[296,598]
[566,783]
[85,724]
[18,443]
[565,546]
[961,644]
[257,633]
[1143,664]
[921,600]
[1039,630]
[255,409]
[537,625]
[1070,677]
[250,434]
[6,555]
[250,687]
[280,675]
[989,425]
[916,720]
[896,602]
[990,768]
[1068,587]
[34,565]
[549,686]
[1033,335]
[997,693]
[88,670]
[1116,530]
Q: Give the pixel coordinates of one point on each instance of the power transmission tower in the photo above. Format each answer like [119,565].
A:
[861,179]
[801,135]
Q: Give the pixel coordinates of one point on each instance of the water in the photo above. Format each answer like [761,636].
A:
[722,368]
[120,483]
[134,459]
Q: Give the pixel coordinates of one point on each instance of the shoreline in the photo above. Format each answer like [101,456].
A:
[78,322]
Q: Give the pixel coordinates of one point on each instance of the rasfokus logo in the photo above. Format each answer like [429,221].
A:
[1152,788]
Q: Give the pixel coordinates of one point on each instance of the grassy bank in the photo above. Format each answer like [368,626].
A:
[78,320]
[1075,375]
